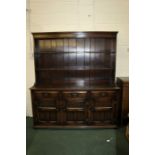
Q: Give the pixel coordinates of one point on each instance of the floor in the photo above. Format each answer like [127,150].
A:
[75,141]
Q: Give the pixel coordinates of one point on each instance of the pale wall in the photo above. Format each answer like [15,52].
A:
[77,15]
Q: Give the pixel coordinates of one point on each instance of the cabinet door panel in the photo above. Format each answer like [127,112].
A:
[47,117]
[102,108]
[102,116]
[46,98]
[75,107]
[75,117]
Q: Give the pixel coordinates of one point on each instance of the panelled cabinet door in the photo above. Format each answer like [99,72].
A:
[102,108]
[46,103]
[75,107]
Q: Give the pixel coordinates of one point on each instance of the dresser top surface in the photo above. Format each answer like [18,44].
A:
[84,88]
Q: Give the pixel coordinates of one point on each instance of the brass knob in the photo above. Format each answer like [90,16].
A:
[74,94]
[45,94]
[103,94]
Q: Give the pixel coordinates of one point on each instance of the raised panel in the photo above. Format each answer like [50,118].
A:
[47,116]
[102,117]
[75,117]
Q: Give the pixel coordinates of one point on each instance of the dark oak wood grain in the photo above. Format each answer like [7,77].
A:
[123,82]
[75,80]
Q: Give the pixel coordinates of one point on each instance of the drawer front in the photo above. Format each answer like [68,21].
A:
[103,98]
[75,99]
[46,98]
[75,94]
[45,94]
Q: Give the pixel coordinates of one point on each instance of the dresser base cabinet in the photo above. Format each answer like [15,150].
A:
[72,108]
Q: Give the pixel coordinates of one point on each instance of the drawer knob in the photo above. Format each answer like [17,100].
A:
[74,94]
[45,94]
[103,94]
[87,103]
